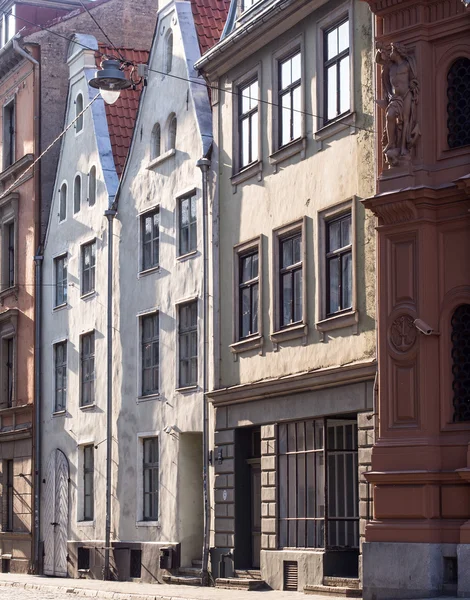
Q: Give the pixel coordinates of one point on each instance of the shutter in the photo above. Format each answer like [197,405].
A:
[49,516]
[291,575]
[62,513]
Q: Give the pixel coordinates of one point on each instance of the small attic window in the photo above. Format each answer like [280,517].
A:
[92,186]
[156,149]
[172,132]
[77,194]
[63,202]
[78,110]
[169,52]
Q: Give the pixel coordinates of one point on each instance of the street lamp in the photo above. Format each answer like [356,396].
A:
[110,80]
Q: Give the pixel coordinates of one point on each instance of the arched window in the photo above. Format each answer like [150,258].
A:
[63,202]
[461,362]
[92,186]
[172,133]
[458,103]
[156,141]
[78,110]
[169,52]
[77,194]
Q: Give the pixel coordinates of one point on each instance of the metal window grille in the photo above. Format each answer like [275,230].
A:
[150,479]
[87,369]
[290,279]
[337,70]
[458,103]
[290,103]
[77,194]
[188,225]
[461,363]
[291,575]
[60,369]
[248,123]
[187,334]
[11,254]
[88,267]
[339,264]
[9,495]
[88,482]
[248,295]
[60,280]
[150,354]
[150,225]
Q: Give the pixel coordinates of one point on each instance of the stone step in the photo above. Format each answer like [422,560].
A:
[333,590]
[197,562]
[345,582]
[190,571]
[181,580]
[237,583]
[248,573]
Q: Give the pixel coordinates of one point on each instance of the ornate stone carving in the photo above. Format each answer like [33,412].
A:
[403,333]
[400,84]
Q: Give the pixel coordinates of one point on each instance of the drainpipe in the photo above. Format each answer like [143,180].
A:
[38,260]
[204,165]
[109,214]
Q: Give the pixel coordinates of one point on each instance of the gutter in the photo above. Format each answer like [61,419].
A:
[19,50]
[38,260]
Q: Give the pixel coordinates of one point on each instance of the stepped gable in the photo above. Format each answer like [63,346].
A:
[121,116]
[209,19]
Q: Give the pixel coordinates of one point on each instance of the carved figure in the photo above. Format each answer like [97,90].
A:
[401,88]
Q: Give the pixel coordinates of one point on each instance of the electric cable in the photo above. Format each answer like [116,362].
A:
[102,30]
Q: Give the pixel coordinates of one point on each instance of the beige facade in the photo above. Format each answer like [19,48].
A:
[297,340]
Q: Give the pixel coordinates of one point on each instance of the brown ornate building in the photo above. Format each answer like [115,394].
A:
[418,543]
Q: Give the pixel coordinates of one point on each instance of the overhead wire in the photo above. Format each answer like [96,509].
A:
[102,30]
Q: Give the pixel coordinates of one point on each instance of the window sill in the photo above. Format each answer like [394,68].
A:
[59,307]
[247,344]
[88,295]
[87,406]
[292,332]
[187,389]
[59,413]
[86,523]
[340,124]
[10,291]
[347,319]
[16,167]
[148,271]
[162,158]
[187,256]
[291,149]
[247,173]
[147,524]
[149,397]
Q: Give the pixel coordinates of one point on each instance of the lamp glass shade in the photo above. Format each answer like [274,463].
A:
[110,96]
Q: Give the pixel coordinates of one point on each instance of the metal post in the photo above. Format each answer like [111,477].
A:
[38,259]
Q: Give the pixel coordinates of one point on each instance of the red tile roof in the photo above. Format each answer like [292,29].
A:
[209,18]
[121,116]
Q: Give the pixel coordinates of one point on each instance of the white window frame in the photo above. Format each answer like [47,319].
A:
[92,291]
[140,317]
[54,264]
[140,483]
[178,304]
[79,484]
[54,401]
[80,370]
[188,196]
[141,216]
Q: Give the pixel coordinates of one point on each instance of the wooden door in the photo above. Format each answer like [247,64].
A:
[56,515]
[256,513]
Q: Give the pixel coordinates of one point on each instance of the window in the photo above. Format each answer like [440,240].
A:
[187,333]
[60,264]
[290,279]
[8,466]
[172,133]
[150,479]
[88,267]
[150,354]
[87,369]
[8,255]
[248,294]
[460,363]
[60,376]
[77,194]
[63,202]
[248,126]
[290,105]
[150,227]
[187,225]
[156,141]
[88,482]
[8,356]
[337,70]
[9,128]
[78,110]
[92,186]
[169,52]
[339,273]
[248,3]
[458,103]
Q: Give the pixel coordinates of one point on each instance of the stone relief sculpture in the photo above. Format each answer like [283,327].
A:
[400,84]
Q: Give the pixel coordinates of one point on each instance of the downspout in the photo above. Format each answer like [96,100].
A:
[38,260]
[204,165]
[19,50]
[109,214]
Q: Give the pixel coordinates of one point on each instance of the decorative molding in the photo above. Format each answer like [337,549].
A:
[402,334]
[393,211]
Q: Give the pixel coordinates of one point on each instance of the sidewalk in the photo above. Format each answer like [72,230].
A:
[125,590]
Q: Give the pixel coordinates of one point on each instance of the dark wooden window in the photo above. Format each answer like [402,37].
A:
[248,293]
[187,225]
[88,376]
[187,333]
[290,283]
[169,52]
[77,194]
[156,141]
[150,226]
[88,267]
[60,280]
[92,186]
[63,202]
[60,376]
[290,104]
[150,354]
[9,133]
[150,475]
[337,70]
[461,362]
[173,126]
[78,110]
[9,348]
[248,123]
[88,482]
[10,247]
[339,264]
[9,494]
[458,103]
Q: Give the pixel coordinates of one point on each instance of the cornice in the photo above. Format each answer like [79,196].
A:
[412,477]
